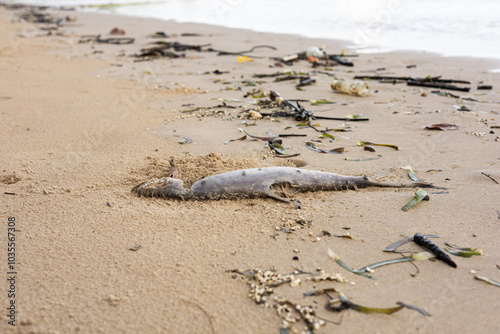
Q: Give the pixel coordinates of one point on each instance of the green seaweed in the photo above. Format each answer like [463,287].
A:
[411,174]
[487,280]
[322,101]
[365,143]
[463,253]
[420,195]
[466,249]
[313,147]
[327,135]
[341,263]
[366,309]
[237,139]
[365,159]
[415,257]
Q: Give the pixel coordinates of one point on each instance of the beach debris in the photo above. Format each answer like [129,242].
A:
[313,147]
[367,143]
[487,280]
[446,94]
[341,263]
[112,40]
[327,135]
[369,149]
[314,55]
[463,251]
[237,139]
[354,116]
[186,140]
[276,147]
[165,34]
[422,241]
[365,159]
[441,126]
[135,248]
[357,88]
[346,304]
[298,112]
[243,59]
[411,174]
[227,53]
[415,308]
[322,101]
[490,177]
[253,114]
[344,236]
[422,256]
[392,247]
[419,196]
[305,81]
[159,34]
[437,85]
[484,87]
[259,182]
[35,14]
[271,138]
[342,61]
[117,31]
[314,51]
[178,47]
[432,82]
[161,49]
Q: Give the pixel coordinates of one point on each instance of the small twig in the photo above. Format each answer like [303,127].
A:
[489,176]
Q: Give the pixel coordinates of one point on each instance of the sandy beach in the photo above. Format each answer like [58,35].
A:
[84,122]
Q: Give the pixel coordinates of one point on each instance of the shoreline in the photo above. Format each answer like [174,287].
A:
[84,123]
[342,42]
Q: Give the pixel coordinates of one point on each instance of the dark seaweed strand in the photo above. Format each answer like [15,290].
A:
[420,240]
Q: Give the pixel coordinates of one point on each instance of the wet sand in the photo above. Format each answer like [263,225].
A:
[82,124]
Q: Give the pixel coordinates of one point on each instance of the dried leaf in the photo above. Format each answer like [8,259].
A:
[441,126]
[420,195]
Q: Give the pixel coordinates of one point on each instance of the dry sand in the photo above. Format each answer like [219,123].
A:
[83,123]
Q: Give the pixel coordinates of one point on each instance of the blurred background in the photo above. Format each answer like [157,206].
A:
[450,28]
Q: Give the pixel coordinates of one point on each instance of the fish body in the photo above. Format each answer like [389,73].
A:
[257,182]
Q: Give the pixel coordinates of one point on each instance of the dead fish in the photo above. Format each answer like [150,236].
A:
[274,182]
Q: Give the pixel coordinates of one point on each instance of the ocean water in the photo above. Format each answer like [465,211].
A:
[450,28]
